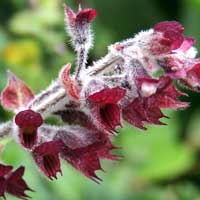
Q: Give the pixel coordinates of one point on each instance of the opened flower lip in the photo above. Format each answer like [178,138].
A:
[106,108]
[46,156]
[28,122]
[107,95]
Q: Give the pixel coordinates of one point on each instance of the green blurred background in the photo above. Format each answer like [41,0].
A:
[162,163]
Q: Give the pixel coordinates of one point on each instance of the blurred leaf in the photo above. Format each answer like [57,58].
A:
[156,154]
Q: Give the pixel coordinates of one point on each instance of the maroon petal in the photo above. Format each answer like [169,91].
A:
[169,25]
[46,156]
[110,116]
[193,75]
[83,149]
[108,96]
[86,15]
[28,122]
[105,109]
[166,96]
[82,17]
[2,187]
[142,111]
[83,160]
[71,16]
[187,43]
[134,114]
[152,112]
[15,184]
[170,39]
[16,94]
[147,109]
[5,169]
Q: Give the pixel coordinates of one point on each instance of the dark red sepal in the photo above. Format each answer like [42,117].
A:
[17,94]
[83,149]
[86,15]
[46,156]
[15,184]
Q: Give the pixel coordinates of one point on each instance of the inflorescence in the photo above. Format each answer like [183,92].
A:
[133,82]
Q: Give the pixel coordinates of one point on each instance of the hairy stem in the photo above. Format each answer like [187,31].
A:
[5,129]
[82,55]
[50,100]
[104,64]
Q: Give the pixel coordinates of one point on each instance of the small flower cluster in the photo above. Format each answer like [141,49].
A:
[95,100]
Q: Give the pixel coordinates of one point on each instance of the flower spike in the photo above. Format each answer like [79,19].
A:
[96,99]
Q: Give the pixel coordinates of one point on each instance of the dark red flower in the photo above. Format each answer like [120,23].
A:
[4,171]
[16,185]
[140,111]
[16,94]
[28,122]
[106,109]
[166,95]
[148,108]
[83,16]
[12,182]
[170,39]
[83,149]
[86,15]
[192,79]
[46,156]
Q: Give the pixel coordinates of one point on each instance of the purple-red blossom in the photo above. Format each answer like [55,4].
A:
[147,107]
[46,156]
[83,16]
[192,78]
[168,37]
[28,122]
[16,184]
[4,171]
[16,94]
[106,109]
[83,149]
[12,182]
[166,94]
